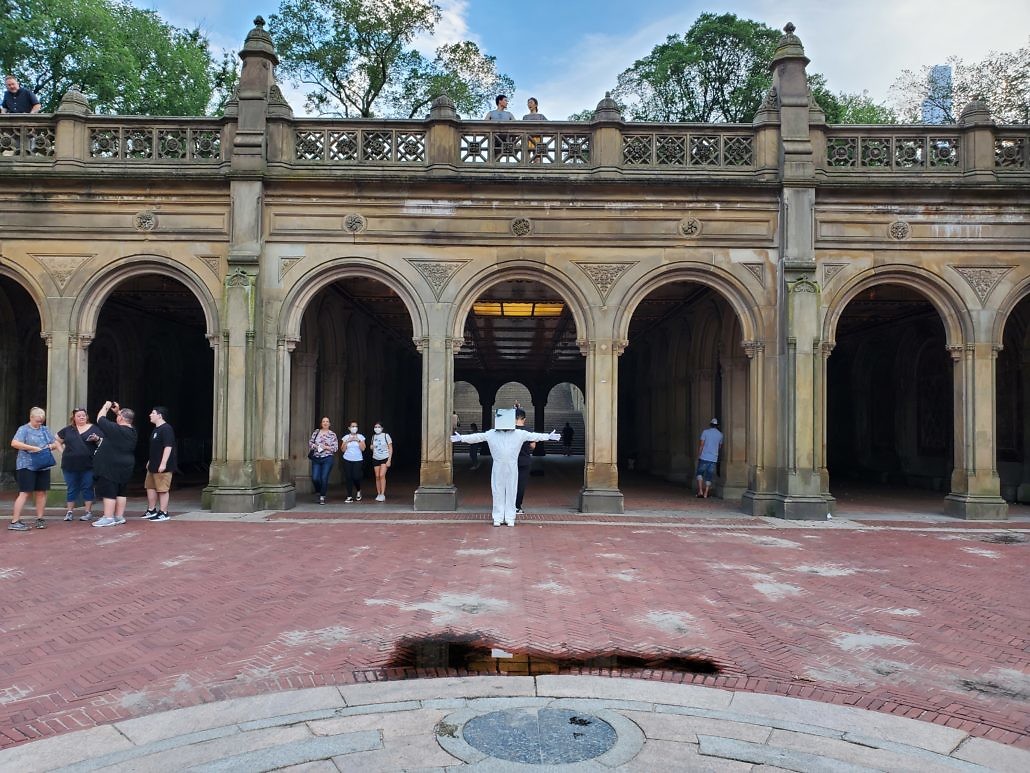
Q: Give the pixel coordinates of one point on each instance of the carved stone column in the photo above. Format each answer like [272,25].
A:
[436,490]
[302,415]
[600,493]
[734,426]
[681,440]
[975,484]
[60,348]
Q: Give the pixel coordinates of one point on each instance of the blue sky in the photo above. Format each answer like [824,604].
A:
[568,52]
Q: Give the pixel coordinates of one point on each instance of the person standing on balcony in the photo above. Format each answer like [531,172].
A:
[501,113]
[534,113]
[18,99]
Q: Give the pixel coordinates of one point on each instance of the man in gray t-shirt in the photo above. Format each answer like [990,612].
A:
[501,113]
[707,456]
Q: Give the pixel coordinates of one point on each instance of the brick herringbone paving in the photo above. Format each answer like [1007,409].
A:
[104,624]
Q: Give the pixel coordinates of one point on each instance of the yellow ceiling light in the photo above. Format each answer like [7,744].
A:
[517,309]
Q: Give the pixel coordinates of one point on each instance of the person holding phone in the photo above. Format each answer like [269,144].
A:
[353,461]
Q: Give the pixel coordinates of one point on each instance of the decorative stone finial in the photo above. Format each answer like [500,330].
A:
[607,109]
[259,43]
[789,46]
[74,101]
[976,113]
[442,109]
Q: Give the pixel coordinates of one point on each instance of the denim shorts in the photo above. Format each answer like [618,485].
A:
[706,470]
[80,485]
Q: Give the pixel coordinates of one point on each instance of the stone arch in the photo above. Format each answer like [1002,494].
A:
[35,292]
[727,286]
[308,286]
[1008,305]
[958,326]
[556,280]
[94,293]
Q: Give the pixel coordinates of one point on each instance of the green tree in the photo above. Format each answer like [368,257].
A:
[124,59]
[461,71]
[1001,79]
[718,71]
[357,56]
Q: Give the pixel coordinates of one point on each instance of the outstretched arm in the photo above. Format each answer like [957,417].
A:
[475,437]
[539,437]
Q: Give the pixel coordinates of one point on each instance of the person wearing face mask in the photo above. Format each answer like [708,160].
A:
[382,455]
[353,461]
[504,448]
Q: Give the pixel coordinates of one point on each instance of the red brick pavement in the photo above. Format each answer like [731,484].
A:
[103,624]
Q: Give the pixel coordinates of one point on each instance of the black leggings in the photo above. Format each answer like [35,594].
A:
[352,473]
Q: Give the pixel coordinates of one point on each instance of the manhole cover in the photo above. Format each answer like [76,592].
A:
[540,736]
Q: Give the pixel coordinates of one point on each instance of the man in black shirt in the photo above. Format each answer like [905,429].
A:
[114,461]
[160,466]
[525,460]
[17,99]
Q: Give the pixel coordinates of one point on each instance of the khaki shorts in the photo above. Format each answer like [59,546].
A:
[161,482]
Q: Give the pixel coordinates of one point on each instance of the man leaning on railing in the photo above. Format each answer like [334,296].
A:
[499,114]
[17,100]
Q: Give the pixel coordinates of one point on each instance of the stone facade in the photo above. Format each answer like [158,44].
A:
[782,223]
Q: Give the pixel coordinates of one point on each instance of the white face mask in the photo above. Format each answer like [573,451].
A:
[354,429]
[378,430]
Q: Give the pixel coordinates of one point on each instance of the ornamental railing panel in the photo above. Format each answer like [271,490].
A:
[540,146]
[193,143]
[1012,148]
[691,147]
[27,141]
[350,144]
[893,149]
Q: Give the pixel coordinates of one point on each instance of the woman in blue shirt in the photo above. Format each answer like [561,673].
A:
[29,439]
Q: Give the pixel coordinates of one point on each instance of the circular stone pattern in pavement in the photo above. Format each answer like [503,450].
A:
[541,736]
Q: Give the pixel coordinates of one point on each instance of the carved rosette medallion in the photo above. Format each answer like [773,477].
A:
[605,275]
[690,227]
[354,223]
[803,285]
[757,270]
[521,226]
[982,279]
[144,221]
[238,278]
[830,270]
[899,230]
[437,273]
[61,267]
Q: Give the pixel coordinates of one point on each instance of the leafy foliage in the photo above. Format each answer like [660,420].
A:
[125,60]
[358,58]
[1001,79]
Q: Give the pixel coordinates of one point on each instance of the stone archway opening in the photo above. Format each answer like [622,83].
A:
[683,366]
[1013,405]
[564,409]
[151,349]
[889,393]
[356,361]
[23,363]
[519,341]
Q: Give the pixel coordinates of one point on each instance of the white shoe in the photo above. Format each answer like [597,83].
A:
[358,496]
[509,523]
[380,497]
[105,521]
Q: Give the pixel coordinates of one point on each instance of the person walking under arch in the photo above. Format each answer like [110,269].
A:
[353,462]
[707,456]
[382,456]
[322,447]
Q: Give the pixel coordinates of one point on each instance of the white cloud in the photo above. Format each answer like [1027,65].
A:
[452,28]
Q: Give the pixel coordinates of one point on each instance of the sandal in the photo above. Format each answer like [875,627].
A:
[41,523]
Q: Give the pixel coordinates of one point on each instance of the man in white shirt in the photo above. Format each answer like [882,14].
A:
[707,456]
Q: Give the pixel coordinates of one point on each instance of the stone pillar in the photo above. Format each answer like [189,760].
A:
[734,426]
[606,142]
[71,135]
[436,490]
[303,419]
[442,135]
[600,493]
[977,128]
[760,497]
[60,358]
[681,452]
[975,484]
[1023,489]
[825,350]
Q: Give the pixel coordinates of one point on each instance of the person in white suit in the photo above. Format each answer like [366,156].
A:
[504,449]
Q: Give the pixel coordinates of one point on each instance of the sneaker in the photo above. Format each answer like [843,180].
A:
[148,514]
[161,515]
[18,526]
[349,499]
[87,516]
[41,523]
[69,516]
[380,497]
[105,521]
[498,523]
[509,523]
[321,500]
[520,511]
[358,497]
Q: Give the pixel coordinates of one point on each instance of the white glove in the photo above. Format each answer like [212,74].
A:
[555,435]
[455,438]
